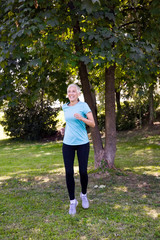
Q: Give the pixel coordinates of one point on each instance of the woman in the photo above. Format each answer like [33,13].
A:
[77,115]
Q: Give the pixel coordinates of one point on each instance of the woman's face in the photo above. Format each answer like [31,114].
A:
[72,94]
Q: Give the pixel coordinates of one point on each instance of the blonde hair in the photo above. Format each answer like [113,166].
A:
[74,85]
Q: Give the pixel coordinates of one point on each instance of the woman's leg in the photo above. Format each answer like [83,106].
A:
[83,154]
[68,156]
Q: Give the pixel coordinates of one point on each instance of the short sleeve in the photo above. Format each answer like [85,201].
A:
[86,108]
[64,106]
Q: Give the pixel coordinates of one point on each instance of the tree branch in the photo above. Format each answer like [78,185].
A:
[126,24]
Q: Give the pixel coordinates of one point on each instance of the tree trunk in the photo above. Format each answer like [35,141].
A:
[110,120]
[96,137]
[151,105]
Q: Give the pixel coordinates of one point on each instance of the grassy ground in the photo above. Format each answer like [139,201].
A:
[124,203]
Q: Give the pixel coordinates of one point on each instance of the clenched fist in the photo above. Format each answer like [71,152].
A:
[78,116]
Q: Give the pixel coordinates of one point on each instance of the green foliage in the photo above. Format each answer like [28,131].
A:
[30,55]
[132,114]
[31,123]
[37,47]
[126,119]
[101,122]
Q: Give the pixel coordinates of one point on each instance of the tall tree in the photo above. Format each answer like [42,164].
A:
[44,39]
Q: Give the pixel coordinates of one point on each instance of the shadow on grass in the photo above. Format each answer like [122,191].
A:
[122,206]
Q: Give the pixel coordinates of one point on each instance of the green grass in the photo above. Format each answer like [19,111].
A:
[124,203]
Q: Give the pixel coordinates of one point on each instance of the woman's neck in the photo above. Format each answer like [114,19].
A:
[73,103]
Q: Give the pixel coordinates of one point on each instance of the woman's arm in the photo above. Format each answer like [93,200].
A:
[89,120]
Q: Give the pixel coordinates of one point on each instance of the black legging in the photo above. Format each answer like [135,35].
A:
[68,156]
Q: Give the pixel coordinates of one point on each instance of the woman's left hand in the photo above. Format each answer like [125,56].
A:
[89,120]
[78,116]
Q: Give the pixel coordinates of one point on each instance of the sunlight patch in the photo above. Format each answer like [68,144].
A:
[37,155]
[121,189]
[47,153]
[101,186]
[83,238]
[24,179]
[58,171]
[148,151]
[151,212]
[76,169]
[117,206]
[126,208]
[144,196]
[148,170]
[5,178]
[36,230]
[61,170]
[42,179]
[19,149]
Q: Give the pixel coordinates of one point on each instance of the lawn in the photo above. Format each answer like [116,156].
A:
[124,203]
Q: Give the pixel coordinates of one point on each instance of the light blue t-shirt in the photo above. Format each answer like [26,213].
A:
[75,130]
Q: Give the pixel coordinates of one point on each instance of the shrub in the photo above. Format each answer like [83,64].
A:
[101,122]
[126,119]
[31,123]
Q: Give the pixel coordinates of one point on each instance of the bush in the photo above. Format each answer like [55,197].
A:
[101,122]
[127,118]
[32,123]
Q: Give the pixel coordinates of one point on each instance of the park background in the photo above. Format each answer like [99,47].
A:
[111,50]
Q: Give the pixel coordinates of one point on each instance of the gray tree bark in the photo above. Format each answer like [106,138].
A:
[110,118]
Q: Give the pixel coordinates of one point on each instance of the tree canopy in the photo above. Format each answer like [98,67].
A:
[45,43]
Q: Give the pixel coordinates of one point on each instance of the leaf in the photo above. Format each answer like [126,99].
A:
[94,1]
[97,61]
[46,14]
[110,16]
[82,35]
[85,59]
[88,6]
[18,34]
[62,45]
[155,12]
[105,44]
[106,33]
[31,3]
[53,23]
[91,36]
[135,49]
[28,32]
[26,9]
[1,59]
[41,26]
[24,68]
[134,56]
[35,63]
[113,40]
[3,64]
[95,50]
[7,9]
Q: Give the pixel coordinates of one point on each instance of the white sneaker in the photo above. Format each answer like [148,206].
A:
[73,205]
[85,202]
